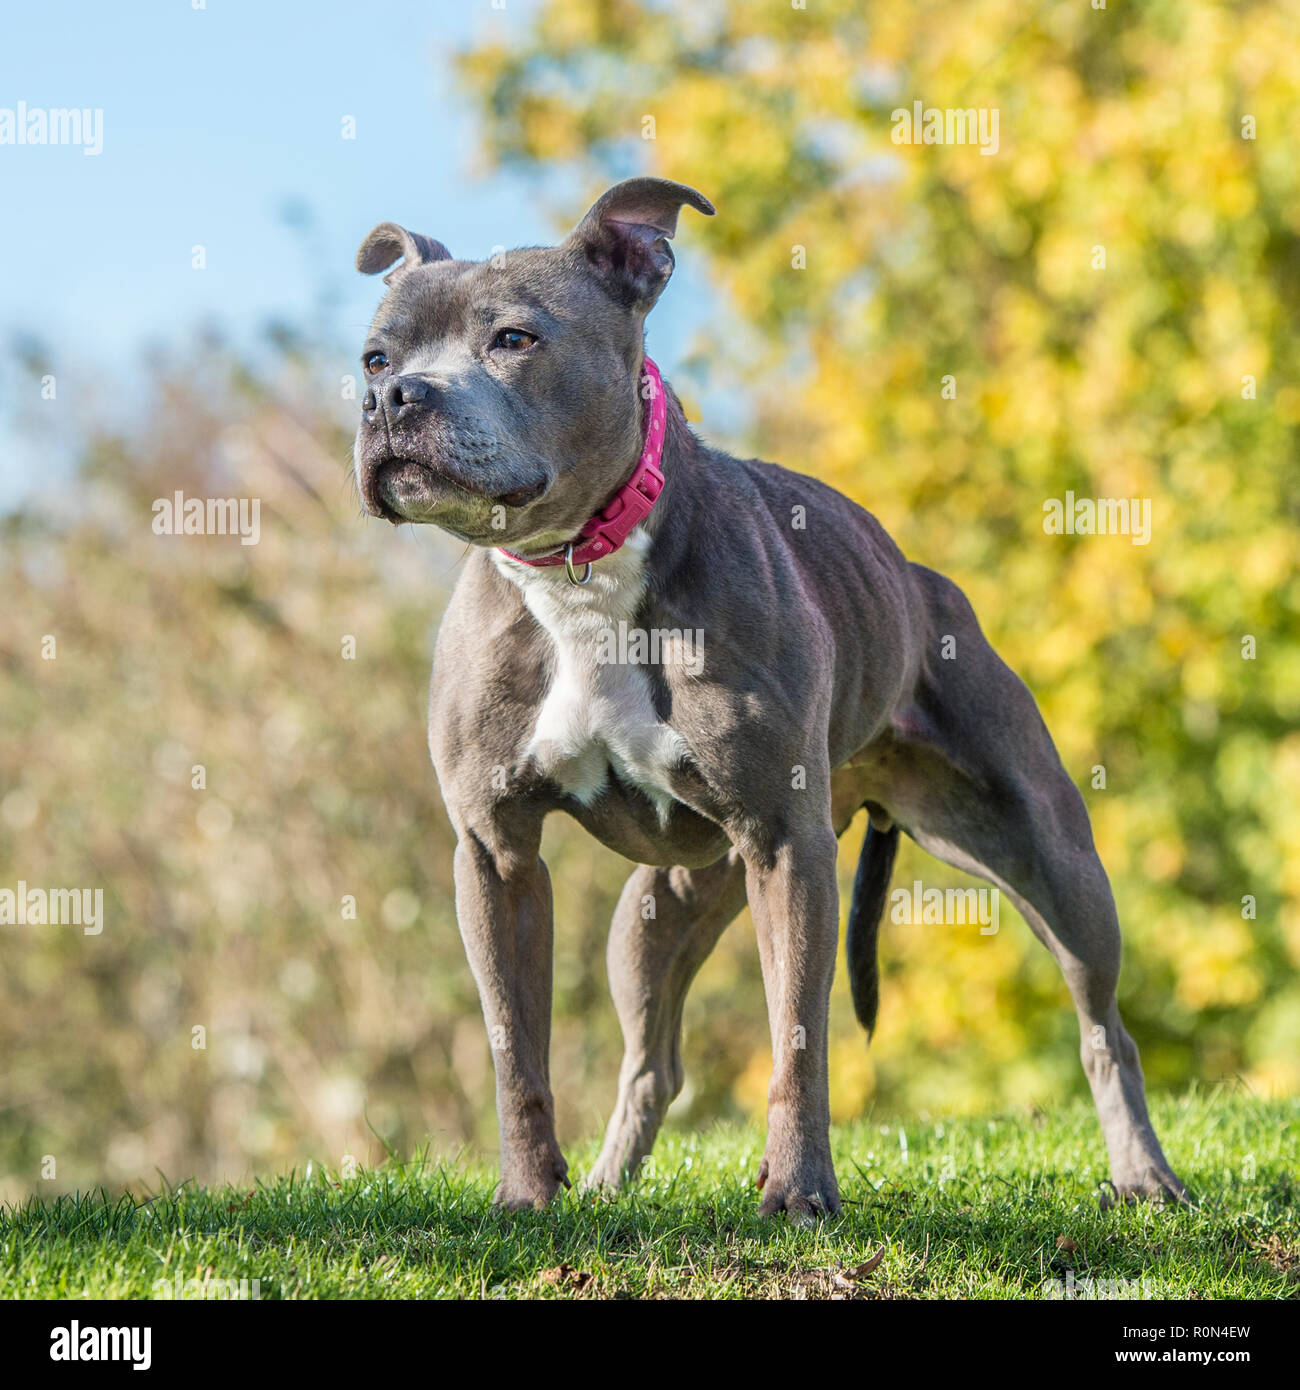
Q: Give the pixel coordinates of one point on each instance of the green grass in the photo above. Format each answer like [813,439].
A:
[987,1208]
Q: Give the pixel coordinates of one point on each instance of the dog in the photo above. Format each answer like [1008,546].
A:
[511,402]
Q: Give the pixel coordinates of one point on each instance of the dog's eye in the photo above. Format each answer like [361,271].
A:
[374,363]
[514,340]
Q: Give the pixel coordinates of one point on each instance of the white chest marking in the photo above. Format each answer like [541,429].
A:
[596,714]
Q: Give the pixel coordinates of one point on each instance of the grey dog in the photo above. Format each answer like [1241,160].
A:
[507,402]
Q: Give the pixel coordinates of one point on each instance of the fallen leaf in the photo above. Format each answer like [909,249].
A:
[565,1276]
[868,1266]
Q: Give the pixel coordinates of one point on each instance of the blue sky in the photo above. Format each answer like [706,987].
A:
[214,121]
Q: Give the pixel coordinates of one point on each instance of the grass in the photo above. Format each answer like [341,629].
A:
[991,1208]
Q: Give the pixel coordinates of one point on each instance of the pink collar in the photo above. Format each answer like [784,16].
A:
[629,506]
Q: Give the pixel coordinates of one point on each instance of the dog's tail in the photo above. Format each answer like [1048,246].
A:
[870,889]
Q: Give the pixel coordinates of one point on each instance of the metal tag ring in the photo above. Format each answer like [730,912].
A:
[569,570]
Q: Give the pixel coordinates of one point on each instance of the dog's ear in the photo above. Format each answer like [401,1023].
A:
[387,242]
[625,237]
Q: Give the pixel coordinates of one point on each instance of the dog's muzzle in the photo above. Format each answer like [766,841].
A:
[411,462]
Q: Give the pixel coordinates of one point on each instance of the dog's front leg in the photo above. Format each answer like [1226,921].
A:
[503,905]
[795,905]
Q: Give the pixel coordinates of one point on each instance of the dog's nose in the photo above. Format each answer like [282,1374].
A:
[399,395]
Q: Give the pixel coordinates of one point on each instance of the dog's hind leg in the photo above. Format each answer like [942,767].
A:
[1066,899]
[977,782]
[666,923]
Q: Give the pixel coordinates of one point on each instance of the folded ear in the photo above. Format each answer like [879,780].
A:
[625,236]
[388,242]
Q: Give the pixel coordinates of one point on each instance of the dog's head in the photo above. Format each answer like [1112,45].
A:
[501,396]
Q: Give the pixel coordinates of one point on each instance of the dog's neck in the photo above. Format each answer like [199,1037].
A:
[672,462]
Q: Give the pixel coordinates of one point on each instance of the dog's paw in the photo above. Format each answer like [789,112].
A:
[1156,1184]
[531,1190]
[607,1178]
[809,1194]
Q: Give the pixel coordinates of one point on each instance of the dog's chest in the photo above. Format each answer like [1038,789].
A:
[597,713]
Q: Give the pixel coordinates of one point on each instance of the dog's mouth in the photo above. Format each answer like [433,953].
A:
[406,489]
[403,489]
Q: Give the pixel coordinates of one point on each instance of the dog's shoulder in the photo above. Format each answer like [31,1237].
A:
[489,649]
